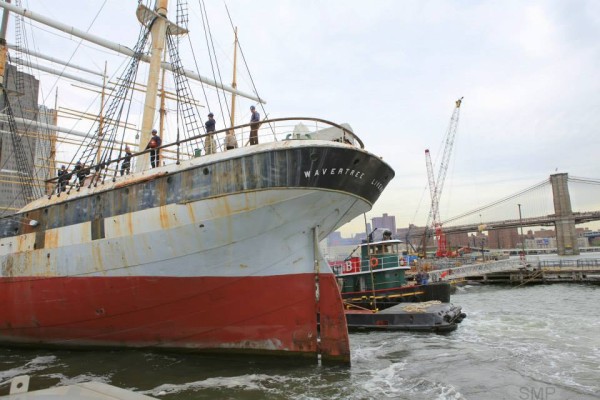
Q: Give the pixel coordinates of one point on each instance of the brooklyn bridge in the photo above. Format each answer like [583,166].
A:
[548,203]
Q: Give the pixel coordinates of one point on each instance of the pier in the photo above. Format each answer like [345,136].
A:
[518,272]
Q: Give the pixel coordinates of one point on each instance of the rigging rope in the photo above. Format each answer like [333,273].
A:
[210,44]
[248,70]
[186,105]
[106,136]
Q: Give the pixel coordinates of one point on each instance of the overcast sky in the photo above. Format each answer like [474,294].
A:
[529,73]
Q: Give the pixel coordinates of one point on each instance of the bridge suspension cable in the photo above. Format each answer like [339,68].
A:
[541,184]
[578,179]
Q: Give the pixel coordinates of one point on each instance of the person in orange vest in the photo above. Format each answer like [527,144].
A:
[154,145]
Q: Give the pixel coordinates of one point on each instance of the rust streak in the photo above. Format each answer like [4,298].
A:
[51,239]
[129,222]
[164,217]
[191,212]
[97,257]
[8,267]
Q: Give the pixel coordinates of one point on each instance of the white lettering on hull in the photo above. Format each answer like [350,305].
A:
[334,171]
[342,171]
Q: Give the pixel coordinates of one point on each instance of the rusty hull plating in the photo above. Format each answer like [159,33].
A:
[214,254]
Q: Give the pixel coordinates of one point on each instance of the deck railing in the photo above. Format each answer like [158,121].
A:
[272,130]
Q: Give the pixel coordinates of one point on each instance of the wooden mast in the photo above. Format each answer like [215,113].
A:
[163,109]
[234,82]
[101,117]
[159,31]
[3,47]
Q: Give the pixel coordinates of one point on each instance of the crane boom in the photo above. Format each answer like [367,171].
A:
[436,186]
[450,134]
[431,179]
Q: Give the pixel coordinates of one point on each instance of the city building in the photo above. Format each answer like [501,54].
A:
[37,144]
[385,222]
[504,238]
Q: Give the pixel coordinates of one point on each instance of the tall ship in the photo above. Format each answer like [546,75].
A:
[209,249]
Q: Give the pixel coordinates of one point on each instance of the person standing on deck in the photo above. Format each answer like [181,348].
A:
[63,177]
[80,173]
[209,142]
[255,121]
[154,145]
[230,141]
[126,163]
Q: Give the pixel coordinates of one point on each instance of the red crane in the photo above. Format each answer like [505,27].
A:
[436,186]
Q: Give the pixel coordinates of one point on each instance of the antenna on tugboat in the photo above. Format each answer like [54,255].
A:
[374,303]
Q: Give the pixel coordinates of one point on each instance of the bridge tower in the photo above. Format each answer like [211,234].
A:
[566,236]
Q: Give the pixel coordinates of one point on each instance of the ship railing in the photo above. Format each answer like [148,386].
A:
[279,129]
[269,130]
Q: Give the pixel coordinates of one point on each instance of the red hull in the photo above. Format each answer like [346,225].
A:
[267,315]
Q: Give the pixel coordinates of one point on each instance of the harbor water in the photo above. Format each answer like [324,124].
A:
[528,342]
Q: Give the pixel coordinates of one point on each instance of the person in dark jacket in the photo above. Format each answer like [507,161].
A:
[126,163]
[154,144]
[63,178]
[209,142]
[80,172]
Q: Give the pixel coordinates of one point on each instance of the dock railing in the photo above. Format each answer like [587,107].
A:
[579,264]
[448,274]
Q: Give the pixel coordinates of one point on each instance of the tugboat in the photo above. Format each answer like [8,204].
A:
[377,295]
[377,279]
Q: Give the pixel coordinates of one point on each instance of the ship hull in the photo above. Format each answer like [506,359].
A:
[219,255]
[252,315]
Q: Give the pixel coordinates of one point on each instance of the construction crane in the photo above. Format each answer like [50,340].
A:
[436,185]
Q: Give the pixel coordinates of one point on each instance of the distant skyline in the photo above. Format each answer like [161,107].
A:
[528,72]
[526,229]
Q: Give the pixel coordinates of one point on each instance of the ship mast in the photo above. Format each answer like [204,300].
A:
[101,117]
[234,82]
[163,110]
[158,32]
[3,46]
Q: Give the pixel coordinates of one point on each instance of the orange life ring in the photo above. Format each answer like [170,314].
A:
[374,262]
